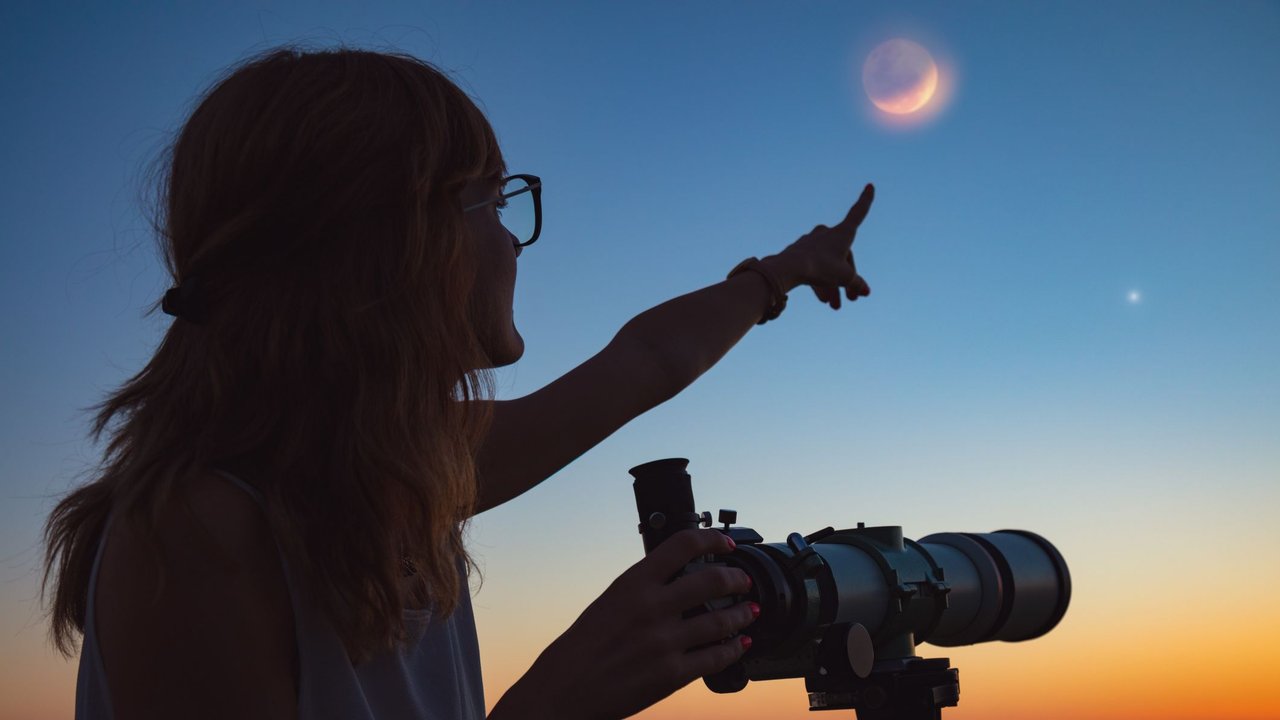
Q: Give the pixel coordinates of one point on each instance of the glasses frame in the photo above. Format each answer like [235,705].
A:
[535,187]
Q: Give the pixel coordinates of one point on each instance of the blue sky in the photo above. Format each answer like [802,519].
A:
[998,374]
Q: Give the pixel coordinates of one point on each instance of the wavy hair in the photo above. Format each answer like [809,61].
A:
[311,198]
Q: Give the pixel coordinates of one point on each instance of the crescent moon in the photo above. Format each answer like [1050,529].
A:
[900,76]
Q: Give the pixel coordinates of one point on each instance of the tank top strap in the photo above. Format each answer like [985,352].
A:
[254,492]
[305,625]
[93,699]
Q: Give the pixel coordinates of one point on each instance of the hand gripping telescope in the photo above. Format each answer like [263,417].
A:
[844,609]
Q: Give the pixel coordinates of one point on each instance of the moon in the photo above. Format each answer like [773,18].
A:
[900,76]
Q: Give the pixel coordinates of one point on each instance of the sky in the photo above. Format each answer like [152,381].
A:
[1073,326]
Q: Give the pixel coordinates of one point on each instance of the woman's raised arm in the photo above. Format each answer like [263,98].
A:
[653,357]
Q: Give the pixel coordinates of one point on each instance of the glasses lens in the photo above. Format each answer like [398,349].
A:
[516,212]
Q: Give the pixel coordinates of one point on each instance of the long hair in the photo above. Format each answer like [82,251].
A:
[311,201]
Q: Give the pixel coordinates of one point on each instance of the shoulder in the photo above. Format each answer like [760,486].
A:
[206,624]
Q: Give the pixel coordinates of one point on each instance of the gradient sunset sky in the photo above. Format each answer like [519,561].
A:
[1074,326]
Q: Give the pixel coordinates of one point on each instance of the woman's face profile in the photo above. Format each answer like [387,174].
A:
[496,253]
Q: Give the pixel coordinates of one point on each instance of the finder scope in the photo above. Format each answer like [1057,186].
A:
[845,609]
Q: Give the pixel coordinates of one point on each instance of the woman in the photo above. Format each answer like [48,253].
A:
[276,530]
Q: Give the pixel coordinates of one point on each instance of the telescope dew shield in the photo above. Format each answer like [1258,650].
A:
[946,589]
[1006,585]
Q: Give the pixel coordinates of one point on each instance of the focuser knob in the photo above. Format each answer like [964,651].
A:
[805,562]
[728,517]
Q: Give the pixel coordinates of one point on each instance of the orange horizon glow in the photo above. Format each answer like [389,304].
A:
[1115,656]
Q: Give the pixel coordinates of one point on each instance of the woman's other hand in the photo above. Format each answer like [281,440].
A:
[823,258]
[631,647]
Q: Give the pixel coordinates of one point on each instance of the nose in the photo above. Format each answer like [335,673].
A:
[515,243]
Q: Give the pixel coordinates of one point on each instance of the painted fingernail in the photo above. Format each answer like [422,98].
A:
[732,545]
[746,641]
[748,581]
[755,610]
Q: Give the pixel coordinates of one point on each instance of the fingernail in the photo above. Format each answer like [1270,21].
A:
[732,545]
[748,581]
[746,641]
[755,610]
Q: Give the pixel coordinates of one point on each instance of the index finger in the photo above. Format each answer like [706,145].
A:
[858,212]
[682,548]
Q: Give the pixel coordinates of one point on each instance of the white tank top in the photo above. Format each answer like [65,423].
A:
[438,677]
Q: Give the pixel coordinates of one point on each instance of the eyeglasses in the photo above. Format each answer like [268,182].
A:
[519,207]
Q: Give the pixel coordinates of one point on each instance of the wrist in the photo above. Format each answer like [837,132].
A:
[777,293]
[512,708]
[782,269]
[525,699]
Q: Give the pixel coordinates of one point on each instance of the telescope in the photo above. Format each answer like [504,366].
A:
[845,609]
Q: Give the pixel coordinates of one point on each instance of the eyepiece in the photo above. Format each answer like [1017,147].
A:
[664,499]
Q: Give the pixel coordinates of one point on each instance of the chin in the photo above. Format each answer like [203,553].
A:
[511,351]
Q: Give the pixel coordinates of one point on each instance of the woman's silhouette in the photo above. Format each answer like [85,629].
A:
[276,528]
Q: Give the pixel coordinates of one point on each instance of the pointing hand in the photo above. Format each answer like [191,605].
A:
[823,258]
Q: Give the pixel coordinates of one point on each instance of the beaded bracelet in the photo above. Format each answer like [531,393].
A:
[779,297]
